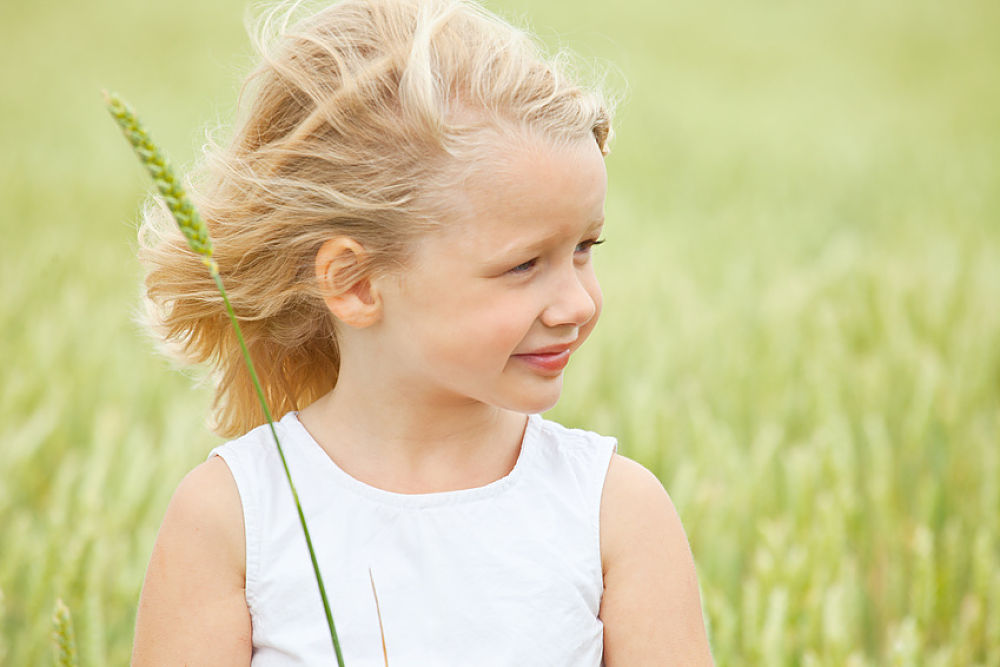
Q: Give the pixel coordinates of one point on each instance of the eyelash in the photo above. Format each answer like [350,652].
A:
[588,245]
[584,247]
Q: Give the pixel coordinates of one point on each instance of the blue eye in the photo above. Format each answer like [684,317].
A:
[523,268]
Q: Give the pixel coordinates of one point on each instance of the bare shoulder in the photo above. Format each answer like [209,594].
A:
[635,506]
[193,606]
[651,607]
[205,515]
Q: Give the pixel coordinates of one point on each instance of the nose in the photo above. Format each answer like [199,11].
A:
[574,298]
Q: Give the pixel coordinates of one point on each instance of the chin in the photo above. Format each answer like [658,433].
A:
[537,402]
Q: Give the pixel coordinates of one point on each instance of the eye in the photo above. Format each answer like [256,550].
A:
[588,245]
[524,268]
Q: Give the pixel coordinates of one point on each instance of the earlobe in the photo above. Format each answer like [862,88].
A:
[347,289]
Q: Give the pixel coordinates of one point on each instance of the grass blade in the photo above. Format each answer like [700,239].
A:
[196,233]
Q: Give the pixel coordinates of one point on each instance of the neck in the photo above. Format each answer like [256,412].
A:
[406,441]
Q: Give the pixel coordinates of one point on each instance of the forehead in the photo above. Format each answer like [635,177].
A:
[525,190]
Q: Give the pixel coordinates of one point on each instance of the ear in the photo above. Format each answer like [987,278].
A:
[348,293]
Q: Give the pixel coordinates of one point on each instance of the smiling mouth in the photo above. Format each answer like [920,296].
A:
[551,362]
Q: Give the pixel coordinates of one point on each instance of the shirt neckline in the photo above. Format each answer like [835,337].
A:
[317,456]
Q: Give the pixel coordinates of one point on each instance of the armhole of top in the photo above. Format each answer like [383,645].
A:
[605,458]
[250,526]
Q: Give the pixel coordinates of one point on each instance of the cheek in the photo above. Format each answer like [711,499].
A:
[484,334]
[503,324]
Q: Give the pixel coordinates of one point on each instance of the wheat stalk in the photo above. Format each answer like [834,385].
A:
[196,233]
[63,641]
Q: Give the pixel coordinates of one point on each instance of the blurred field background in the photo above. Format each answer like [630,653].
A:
[801,335]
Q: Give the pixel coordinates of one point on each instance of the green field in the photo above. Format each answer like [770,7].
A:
[801,334]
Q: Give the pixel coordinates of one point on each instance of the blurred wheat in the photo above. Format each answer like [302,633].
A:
[63,640]
[800,336]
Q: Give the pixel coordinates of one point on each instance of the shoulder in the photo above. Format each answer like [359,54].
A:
[207,499]
[651,590]
[561,440]
[566,434]
[635,505]
[629,483]
[193,589]
[255,447]
[203,524]
[577,457]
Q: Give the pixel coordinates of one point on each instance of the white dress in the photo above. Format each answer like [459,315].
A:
[504,574]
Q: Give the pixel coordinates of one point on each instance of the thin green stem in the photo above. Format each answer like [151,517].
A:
[267,413]
[196,232]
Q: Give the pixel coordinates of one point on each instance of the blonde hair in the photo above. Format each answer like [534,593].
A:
[360,117]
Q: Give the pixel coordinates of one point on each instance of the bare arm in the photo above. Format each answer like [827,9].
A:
[193,608]
[651,608]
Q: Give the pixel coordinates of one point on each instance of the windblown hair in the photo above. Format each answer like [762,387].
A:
[358,120]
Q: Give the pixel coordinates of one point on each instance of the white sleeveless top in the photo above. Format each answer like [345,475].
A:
[504,574]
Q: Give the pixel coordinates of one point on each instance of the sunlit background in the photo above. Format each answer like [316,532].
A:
[801,334]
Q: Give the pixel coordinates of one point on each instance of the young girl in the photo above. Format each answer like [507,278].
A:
[404,220]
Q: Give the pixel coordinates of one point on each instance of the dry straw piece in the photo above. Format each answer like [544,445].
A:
[196,233]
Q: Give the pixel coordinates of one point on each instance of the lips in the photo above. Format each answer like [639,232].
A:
[551,359]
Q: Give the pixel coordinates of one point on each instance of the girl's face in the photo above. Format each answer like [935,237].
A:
[494,303]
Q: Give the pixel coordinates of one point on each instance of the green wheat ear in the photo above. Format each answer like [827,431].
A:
[191,224]
[196,233]
[63,641]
